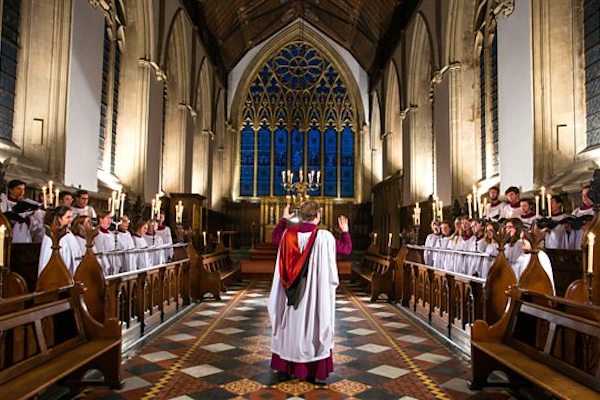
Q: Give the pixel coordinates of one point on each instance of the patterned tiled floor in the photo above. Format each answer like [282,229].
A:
[221,351]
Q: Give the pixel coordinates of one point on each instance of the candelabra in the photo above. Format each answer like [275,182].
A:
[298,191]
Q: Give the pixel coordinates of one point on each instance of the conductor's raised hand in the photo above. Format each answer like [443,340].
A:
[343,223]
[286,212]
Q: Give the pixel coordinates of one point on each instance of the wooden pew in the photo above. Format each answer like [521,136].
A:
[212,271]
[536,340]
[567,266]
[374,270]
[68,342]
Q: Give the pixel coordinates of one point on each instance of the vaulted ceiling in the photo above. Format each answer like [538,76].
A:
[369,29]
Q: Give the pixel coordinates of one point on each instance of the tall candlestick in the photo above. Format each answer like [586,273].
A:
[44,188]
[590,265]
[469,201]
[543,190]
[119,195]
[122,208]
[475,199]
[2,232]
[537,206]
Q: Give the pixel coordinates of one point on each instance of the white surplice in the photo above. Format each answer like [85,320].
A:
[142,257]
[305,334]
[21,230]
[157,256]
[430,242]
[105,243]
[167,238]
[125,242]
[69,251]
[523,260]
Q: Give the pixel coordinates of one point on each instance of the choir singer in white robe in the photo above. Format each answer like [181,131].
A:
[165,234]
[69,250]
[302,301]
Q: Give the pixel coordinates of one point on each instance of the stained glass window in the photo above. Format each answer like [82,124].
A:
[299,107]
[9,51]
[592,70]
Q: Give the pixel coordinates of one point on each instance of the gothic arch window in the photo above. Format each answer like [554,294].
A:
[592,70]
[297,114]
[111,74]
[9,51]
[487,47]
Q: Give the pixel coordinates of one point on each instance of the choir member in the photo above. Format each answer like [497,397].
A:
[65,199]
[523,261]
[494,208]
[125,242]
[555,237]
[80,226]
[140,228]
[69,250]
[513,208]
[491,248]
[22,222]
[157,256]
[473,265]
[165,234]
[81,207]
[586,208]
[513,247]
[527,213]
[465,242]
[105,243]
[431,242]
[439,260]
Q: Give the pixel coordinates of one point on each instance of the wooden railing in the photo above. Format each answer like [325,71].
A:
[142,299]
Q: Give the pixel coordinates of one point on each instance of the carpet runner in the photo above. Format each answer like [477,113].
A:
[222,351]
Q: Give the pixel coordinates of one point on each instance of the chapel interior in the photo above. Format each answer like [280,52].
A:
[461,139]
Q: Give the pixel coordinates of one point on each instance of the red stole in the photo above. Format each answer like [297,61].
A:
[291,260]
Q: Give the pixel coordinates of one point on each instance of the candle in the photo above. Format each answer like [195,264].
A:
[119,196]
[548,198]
[56,193]
[44,188]
[152,208]
[537,206]
[300,175]
[475,199]
[469,201]
[590,265]
[50,190]
[283,176]
[318,176]
[389,240]
[2,231]
[219,236]
[122,208]
[204,238]
[543,190]
[440,209]
[375,238]
[485,205]
[480,207]
[113,203]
